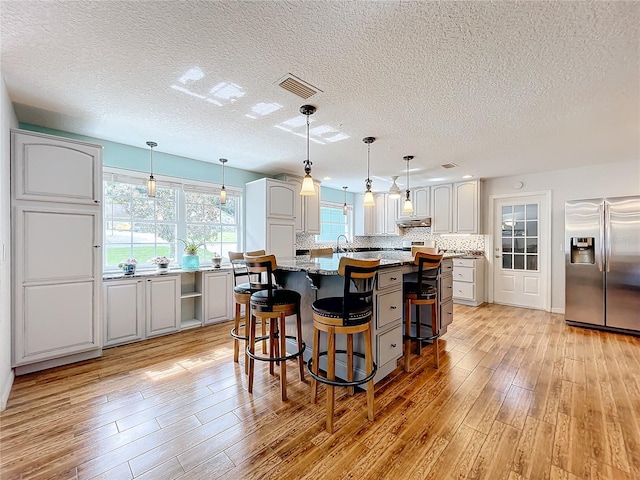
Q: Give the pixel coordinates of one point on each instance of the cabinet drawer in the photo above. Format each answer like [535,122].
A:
[464,290]
[446,288]
[464,274]
[446,266]
[464,262]
[389,278]
[388,307]
[390,345]
[446,313]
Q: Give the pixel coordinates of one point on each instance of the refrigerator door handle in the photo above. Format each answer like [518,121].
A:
[601,207]
[607,247]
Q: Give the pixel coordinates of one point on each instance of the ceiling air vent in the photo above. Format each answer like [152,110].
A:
[298,87]
[449,165]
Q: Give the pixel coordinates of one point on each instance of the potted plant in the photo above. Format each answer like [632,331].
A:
[190,259]
[161,263]
[128,266]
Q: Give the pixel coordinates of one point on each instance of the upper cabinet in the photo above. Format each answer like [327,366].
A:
[50,169]
[379,219]
[456,208]
[422,201]
[307,208]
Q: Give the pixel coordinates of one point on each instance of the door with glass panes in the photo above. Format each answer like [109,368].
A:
[520,257]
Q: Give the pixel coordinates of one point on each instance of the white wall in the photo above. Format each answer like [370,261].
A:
[7,121]
[615,179]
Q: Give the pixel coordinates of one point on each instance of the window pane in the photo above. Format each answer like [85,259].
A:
[507,261]
[532,228]
[532,262]
[333,223]
[519,245]
[532,212]
[507,245]
[518,262]
[518,212]
[532,245]
[518,229]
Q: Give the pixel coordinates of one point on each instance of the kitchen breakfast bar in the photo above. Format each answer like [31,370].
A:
[318,277]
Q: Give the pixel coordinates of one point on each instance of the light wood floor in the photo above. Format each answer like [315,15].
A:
[518,395]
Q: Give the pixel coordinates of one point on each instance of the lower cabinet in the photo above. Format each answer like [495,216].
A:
[468,284]
[388,326]
[124,311]
[218,297]
[163,305]
[445,294]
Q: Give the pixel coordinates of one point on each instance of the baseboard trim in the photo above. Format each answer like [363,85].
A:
[6,390]
[557,310]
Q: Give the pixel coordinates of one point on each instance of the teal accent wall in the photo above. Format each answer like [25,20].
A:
[118,155]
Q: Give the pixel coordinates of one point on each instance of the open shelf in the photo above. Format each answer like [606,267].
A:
[190,294]
[191,323]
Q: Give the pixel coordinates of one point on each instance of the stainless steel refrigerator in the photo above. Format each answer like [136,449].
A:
[602,262]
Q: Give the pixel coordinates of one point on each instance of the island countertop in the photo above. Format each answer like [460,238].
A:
[329,265]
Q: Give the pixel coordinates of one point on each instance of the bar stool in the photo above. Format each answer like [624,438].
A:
[350,314]
[275,306]
[242,294]
[321,252]
[421,293]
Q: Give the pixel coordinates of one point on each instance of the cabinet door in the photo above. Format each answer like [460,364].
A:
[298,201]
[163,305]
[217,297]
[312,211]
[421,201]
[379,225]
[392,213]
[281,238]
[57,281]
[281,200]
[441,221]
[53,169]
[465,207]
[364,217]
[123,311]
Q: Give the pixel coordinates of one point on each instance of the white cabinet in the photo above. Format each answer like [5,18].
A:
[379,212]
[388,321]
[124,311]
[52,169]
[270,217]
[307,207]
[162,305]
[456,208]
[422,201]
[379,219]
[57,234]
[364,217]
[218,297]
[391,215]
[468,281]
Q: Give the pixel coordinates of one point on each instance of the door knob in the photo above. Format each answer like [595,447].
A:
[497,256]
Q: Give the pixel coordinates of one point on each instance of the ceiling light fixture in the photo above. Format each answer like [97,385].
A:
[368,195]
[151,183]
[345,208]
[394,190]
[307,182]
[223,192]
[408,206]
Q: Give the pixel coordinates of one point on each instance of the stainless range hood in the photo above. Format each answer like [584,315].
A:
[407,222]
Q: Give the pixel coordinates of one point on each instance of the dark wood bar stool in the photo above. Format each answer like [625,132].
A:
[421,293]
[275,306]
[242,295]
[348,315]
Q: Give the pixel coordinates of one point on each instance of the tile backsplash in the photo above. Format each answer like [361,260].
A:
[446,242]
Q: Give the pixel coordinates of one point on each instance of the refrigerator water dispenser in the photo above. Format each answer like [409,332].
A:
[582,250]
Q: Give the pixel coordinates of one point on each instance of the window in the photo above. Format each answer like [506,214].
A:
[141,227]
[520,237]
[334,222]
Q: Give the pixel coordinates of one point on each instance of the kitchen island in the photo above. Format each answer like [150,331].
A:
[318,278]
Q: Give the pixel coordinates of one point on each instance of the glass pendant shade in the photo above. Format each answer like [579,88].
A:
[307,182]
[368,199]
[394,190]
[307,186]
[345,207]
[223,191]
[151,183]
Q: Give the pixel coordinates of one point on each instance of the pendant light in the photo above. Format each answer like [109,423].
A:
[223,192]
[307,181]
[368,196]
[408,206]
[394,190]
[151,183]
[345,208]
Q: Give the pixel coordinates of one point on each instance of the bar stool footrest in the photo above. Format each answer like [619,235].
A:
[340,382]
[277,359]
[240,337]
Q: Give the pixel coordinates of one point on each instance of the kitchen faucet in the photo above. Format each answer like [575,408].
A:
[346,241]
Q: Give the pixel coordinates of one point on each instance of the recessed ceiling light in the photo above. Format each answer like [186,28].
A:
[467,176]
[326,178]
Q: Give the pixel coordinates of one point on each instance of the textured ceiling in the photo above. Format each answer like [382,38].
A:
[498,88]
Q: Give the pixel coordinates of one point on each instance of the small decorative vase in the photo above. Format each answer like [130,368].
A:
[162,267]
[129,269]
[190,261]
[216,262]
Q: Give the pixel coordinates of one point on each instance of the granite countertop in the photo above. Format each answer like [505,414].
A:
[329,265]
[152,272]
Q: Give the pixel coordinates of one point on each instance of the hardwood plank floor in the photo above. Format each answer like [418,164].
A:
[519,395]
